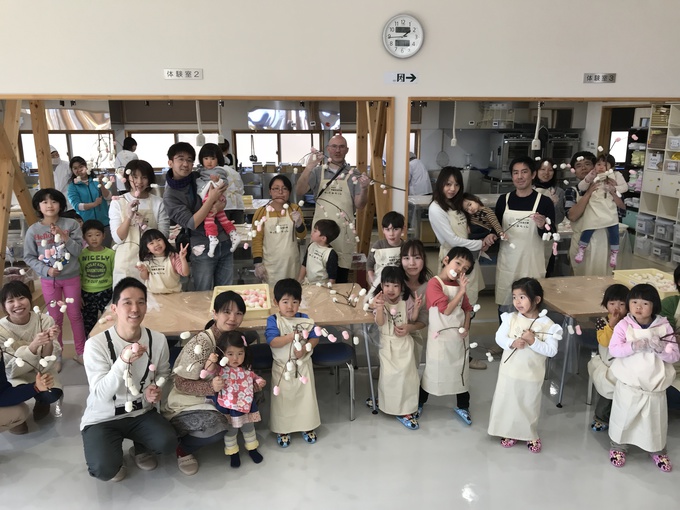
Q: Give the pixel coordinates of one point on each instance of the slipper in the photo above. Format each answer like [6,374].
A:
[418,413]
[464,415]
[662,462]
[535,446]
[369,403]
[599,426]
[506,442]
[617,458]
[409,421]
[283,440]
[310,436]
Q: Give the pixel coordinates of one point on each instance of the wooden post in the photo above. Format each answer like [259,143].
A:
[366,214]
[377,124]
[42,144]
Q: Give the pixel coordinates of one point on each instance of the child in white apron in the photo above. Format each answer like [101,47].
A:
[398,383]
[527,337]
[320,263]
[644,350]
[385,252]
[615,300]
[160,266]
[231,363]
[290,334]
[601,210]
[447,365]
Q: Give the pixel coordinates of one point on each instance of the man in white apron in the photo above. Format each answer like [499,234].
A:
[337,198]
[527,210]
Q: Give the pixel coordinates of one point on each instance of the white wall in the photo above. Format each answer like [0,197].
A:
[309,48]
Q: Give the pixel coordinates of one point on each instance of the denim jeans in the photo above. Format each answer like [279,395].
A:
[208,272]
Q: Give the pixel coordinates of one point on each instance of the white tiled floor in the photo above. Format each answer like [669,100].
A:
[373,462]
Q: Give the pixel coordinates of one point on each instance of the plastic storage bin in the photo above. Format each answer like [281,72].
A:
[645,224]
[661,251]
[671,166]
[643,246]
[664,230]
[676,236]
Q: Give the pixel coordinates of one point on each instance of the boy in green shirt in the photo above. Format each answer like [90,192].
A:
[96,273]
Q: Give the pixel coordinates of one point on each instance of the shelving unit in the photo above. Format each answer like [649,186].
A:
[658,225]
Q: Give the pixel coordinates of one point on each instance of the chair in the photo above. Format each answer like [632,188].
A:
[332,355]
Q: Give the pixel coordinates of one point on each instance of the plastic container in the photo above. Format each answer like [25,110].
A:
[252,311]
[673,143]
[661,251]
[645,224]
[671,166]
[643,246]
[664,230]
[662,281]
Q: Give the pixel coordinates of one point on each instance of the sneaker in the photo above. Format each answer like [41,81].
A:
[477,364]
[40,411]
[663,462]
[369,403]
[535,446]
[409,421]
[120,475]
[144,461]
[20,429]
[78,358]
[283,440]
[464,415]
[612,258]
[617,458]
[580,254]
[187,465]
[309,436]
[599,426]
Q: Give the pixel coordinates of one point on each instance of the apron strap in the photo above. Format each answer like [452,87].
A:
[331,179]
[536,202]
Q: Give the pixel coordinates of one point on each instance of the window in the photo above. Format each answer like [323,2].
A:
[352,144]
[153,147]
[97,147]
[293,146]
[191,139]
[263,145]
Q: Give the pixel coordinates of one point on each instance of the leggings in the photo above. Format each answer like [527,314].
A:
[58,290]
[462,399]
[249,437]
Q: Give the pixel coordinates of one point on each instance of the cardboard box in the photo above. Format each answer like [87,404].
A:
[251,312]
[662,281]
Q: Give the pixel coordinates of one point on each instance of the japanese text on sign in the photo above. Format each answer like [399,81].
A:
[183,74]
[599,78]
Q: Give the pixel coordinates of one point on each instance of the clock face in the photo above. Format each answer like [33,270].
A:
[403,36]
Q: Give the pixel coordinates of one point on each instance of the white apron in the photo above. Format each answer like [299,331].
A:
[639,409]
[295,408]
[516,404]
[338,193]
[127,253]
[385,257]
[598,369]
[600,211]
[317,260]
[280,251]
[446,360]
[162,276]
[596,261]
[459,225]
[399,383]
[526,260]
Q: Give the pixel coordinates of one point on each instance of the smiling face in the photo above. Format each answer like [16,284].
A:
[546,172]
[235,356]
[641,309]
[288,306]
[138,182]
[130,308]
[80,170]
[229,318]
[522,176]
[413,264]
[156,247]
[391,291]
[523,303]
[181,165]
[459,265]
[451,188]
[49,207]
[18,309]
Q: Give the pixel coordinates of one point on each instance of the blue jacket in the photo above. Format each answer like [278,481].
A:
[86,194]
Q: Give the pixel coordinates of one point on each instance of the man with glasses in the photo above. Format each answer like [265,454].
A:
[184,207]
[336,192]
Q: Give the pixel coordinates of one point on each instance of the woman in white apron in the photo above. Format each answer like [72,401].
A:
[450,224]
[615,300]
[276,252]
[526,259]
[294,406]
[516,404]
[447,367]
[416,275]
[643,370]
[131,214]
[398,382]
[546,184]
[335,202]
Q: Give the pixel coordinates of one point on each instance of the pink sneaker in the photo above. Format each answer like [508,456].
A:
[580,254]
[612,258]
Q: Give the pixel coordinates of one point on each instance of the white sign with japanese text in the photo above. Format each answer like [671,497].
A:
[401,78]
[599,78]
[183,74]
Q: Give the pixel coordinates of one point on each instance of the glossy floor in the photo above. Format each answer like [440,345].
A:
[373,462]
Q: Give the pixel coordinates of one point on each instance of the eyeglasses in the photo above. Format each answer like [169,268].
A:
[184,160]
[278,190]
[337,147]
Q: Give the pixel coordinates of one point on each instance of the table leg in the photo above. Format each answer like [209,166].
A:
[568,321]
[364,327]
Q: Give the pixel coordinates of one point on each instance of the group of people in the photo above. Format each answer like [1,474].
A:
[211,392]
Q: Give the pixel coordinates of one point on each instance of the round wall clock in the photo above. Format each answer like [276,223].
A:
[403,36]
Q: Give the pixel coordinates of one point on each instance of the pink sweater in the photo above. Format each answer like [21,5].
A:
[620,347]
